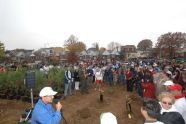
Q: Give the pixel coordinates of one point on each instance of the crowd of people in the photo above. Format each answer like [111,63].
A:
[161,85]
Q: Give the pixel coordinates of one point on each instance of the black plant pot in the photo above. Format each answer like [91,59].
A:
[10,96]
[17,97]
[24,98]
[3,96]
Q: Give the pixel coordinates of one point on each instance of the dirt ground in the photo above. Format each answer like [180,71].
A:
[83,109]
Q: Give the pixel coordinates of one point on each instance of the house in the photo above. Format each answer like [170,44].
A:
[19,55]
[92,53]
[128,51]
[83,55]
[106,53]
[46,52]
[181,53]
[128,48]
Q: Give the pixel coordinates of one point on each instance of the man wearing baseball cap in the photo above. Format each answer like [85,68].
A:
[180,102]
[43,112]
[167,84]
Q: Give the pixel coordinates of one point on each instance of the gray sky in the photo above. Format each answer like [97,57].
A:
[33,24]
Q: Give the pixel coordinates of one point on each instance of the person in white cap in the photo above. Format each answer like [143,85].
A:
[108,118]
[167,84]
[44,112]
[169,74]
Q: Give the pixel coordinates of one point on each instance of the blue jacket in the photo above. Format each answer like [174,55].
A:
[45,114]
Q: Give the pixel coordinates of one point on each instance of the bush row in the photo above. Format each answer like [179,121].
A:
[12,83]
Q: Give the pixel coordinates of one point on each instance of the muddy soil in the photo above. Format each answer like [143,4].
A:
[83,108]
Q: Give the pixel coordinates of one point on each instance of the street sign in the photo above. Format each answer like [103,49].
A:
[30,79]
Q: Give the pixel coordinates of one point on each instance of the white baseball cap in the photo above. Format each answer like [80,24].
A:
[168,83]
[47,91]
[155,64]
[169,72]
[108,118]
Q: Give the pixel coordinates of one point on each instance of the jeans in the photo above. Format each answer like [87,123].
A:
[67,90]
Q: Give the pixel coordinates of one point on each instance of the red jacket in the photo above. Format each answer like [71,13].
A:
[149,90]
[128,75]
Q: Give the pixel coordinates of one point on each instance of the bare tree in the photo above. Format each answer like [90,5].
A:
[70,43]
[73,45]
[2,50]
[102,49]
[96,45]
[169,42]
[144,45]
[113,46]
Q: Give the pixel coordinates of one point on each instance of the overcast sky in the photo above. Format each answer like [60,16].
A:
[34,24]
